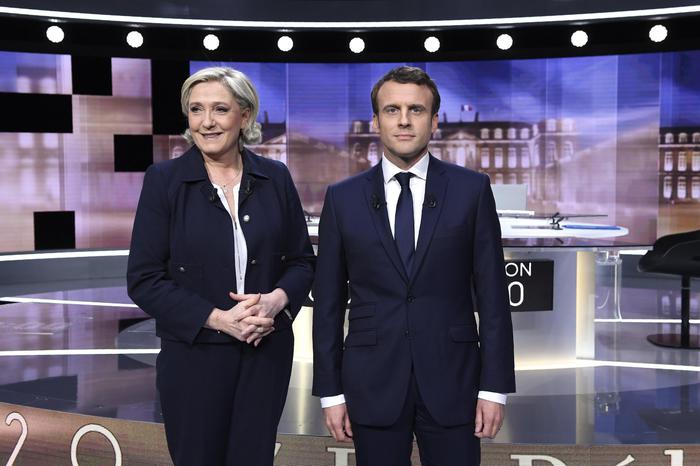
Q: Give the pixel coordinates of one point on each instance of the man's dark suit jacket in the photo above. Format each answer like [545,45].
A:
[181,263]
[424,322]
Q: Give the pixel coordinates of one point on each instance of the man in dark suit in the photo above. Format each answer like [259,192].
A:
[416,243]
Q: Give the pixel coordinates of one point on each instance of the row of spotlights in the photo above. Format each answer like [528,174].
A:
[285,43]
[580,38]
[135,39]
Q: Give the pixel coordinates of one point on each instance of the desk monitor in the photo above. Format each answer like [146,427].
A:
[510,196]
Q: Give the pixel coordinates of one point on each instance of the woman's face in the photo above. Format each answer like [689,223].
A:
[215,119]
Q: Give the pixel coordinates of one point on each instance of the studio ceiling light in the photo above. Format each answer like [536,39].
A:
[504,41]
[211,42]
[134,39]
[357,45]
[658,33]
[285,43]
[579,38]
[55,34]
[432,44]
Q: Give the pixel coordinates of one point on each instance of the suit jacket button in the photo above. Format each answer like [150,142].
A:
[253,262]
[246,218]
[283,258]
[407,333]
[410,299]
[181,269]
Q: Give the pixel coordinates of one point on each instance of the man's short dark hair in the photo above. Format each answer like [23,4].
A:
[407,75]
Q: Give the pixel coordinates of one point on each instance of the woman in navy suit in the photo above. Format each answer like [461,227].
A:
[221,258]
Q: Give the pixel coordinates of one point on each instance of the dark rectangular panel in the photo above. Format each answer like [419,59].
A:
[530,285]
[167,77]
[60,392]
[91,75]
[54,230]
[133,152]
[36,113]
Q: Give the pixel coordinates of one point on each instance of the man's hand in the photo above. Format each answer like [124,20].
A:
[338,422]
[489,418]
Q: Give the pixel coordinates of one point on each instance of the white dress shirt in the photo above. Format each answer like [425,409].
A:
[240,247]
[392,190]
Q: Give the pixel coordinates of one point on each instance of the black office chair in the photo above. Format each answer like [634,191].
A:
[677,254]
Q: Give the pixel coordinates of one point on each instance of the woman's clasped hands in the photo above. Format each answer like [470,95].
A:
[252,318]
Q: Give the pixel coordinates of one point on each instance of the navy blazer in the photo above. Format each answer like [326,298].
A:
[181,263]
[423,322]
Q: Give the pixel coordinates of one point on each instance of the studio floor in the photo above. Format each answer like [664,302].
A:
[91,351]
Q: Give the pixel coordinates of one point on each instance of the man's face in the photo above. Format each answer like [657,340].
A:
[404,121]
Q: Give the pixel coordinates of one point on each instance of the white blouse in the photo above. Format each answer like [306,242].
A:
[240,247]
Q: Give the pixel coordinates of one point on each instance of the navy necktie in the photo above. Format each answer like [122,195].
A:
[403,222]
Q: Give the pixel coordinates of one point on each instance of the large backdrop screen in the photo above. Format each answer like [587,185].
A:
[616,135]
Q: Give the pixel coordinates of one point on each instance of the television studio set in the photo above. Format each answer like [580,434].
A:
[124,125]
